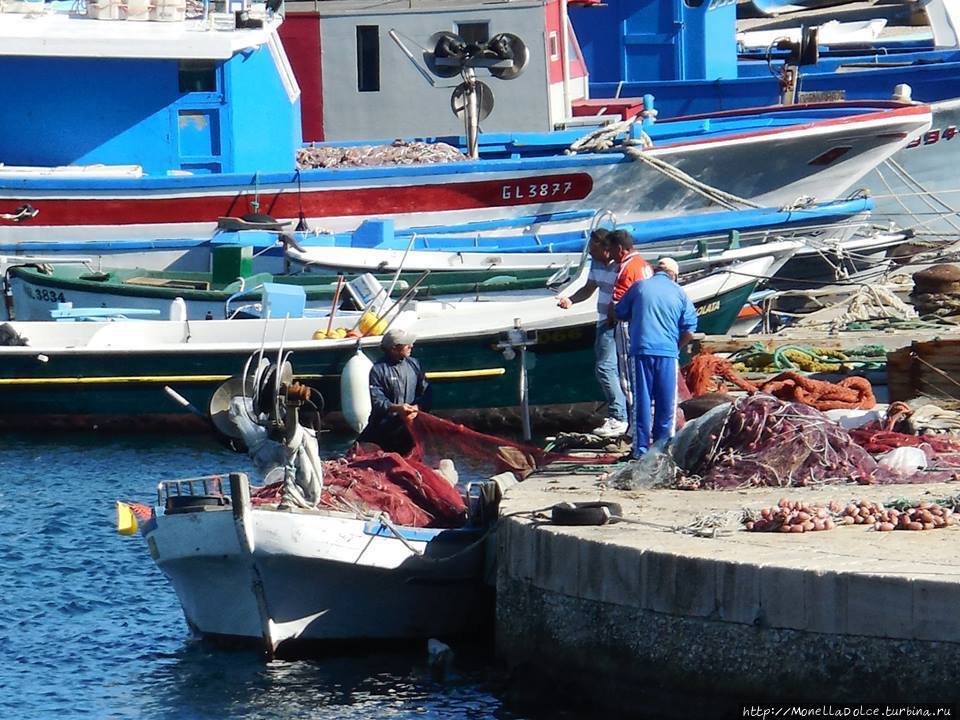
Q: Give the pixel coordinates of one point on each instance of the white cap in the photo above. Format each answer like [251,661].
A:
[397,337]
[668,264]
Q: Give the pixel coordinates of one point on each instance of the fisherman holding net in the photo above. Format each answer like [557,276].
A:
[398,391]
[662,320]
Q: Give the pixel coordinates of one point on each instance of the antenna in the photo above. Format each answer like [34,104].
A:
[504,57]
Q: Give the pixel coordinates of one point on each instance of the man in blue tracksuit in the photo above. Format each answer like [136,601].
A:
[662,320]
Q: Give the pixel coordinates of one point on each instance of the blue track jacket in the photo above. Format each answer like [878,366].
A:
[659,312]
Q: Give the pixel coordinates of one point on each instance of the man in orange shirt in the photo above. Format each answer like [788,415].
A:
[632,268]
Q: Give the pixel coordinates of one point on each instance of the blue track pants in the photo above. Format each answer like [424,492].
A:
[655,382]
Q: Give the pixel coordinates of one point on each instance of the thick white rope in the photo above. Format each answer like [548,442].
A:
[605,140]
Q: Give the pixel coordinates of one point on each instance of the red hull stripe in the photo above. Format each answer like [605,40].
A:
[316,203]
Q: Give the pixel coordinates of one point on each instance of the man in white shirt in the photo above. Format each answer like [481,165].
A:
[603,275]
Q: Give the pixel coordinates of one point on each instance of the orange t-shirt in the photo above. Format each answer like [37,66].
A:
[632,268]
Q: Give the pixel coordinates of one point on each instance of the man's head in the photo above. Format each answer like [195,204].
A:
[669,266]
[599,250]
[620,243]
[398,344]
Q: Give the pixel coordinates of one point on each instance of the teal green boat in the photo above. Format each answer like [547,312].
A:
[125,374]
[231,289]
[35,291]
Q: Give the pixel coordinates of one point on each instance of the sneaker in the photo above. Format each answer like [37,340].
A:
[611,428]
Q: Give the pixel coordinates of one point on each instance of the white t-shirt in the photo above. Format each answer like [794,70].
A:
[604,276]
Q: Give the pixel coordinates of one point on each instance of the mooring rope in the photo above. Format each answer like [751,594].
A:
[605,140]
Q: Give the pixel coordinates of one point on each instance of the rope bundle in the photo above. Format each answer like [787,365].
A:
[605,140]
[707,373]
[808,359]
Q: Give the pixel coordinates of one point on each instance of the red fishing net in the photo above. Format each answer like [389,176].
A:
[410,489]
[763,441]
[941,450]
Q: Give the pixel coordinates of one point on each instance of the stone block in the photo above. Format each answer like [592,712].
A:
[696,587]
[591,575]
[558,561]
[936,610]
[623,576]
[782,598]
[738,592]
[659,581]
[516,549]
[879,606]
[826,602]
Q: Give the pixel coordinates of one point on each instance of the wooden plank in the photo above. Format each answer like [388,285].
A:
[169,283]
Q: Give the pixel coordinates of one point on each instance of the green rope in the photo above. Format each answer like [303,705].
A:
[868,357]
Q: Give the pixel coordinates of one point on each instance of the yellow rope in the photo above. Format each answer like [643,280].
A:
[464,374]
[157,379]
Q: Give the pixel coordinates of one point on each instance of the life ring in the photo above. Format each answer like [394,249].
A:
[597,512]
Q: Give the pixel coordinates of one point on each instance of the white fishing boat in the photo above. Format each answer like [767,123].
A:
[262,575]
[321,554]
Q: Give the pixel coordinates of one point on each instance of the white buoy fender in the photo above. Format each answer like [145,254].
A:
[355,391]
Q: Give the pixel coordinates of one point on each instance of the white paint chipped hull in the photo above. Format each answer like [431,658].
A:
[312,576]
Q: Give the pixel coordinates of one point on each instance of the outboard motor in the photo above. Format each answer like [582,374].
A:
[277,421]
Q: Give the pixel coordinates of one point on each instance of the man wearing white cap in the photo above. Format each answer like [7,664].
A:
[398,390]
[662,320]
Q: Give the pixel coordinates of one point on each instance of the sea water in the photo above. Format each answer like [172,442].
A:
[92,629]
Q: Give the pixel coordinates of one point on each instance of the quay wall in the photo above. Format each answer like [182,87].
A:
[629,615]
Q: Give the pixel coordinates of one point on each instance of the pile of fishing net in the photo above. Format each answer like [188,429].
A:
[419,489]
[760,441]
[709,373]
[400,152]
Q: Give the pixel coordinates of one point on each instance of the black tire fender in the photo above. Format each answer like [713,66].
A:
[597,512]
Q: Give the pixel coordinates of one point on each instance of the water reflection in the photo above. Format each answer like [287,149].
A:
[201,681]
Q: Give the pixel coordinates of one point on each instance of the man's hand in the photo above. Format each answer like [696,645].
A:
[564,302]
[405,410]
[611,318]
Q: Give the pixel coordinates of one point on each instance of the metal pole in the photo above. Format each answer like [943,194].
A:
[565,39]
[524,395]
[471,117]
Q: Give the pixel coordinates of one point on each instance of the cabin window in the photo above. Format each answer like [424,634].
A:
[368,58]
[554,46]
[474,32]
[197,76]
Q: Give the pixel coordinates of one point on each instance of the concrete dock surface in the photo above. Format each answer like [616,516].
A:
[646,609]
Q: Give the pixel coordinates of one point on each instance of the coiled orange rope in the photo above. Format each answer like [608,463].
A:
[707,373]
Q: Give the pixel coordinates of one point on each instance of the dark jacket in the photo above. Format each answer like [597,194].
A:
[394,384]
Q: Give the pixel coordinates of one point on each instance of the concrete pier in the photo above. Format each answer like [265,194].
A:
[623,613]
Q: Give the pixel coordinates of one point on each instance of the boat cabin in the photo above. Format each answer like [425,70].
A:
[633,40]
[112,94]
[368,70]
[689,55]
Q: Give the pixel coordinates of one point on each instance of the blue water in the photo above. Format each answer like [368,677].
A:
[91,628]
